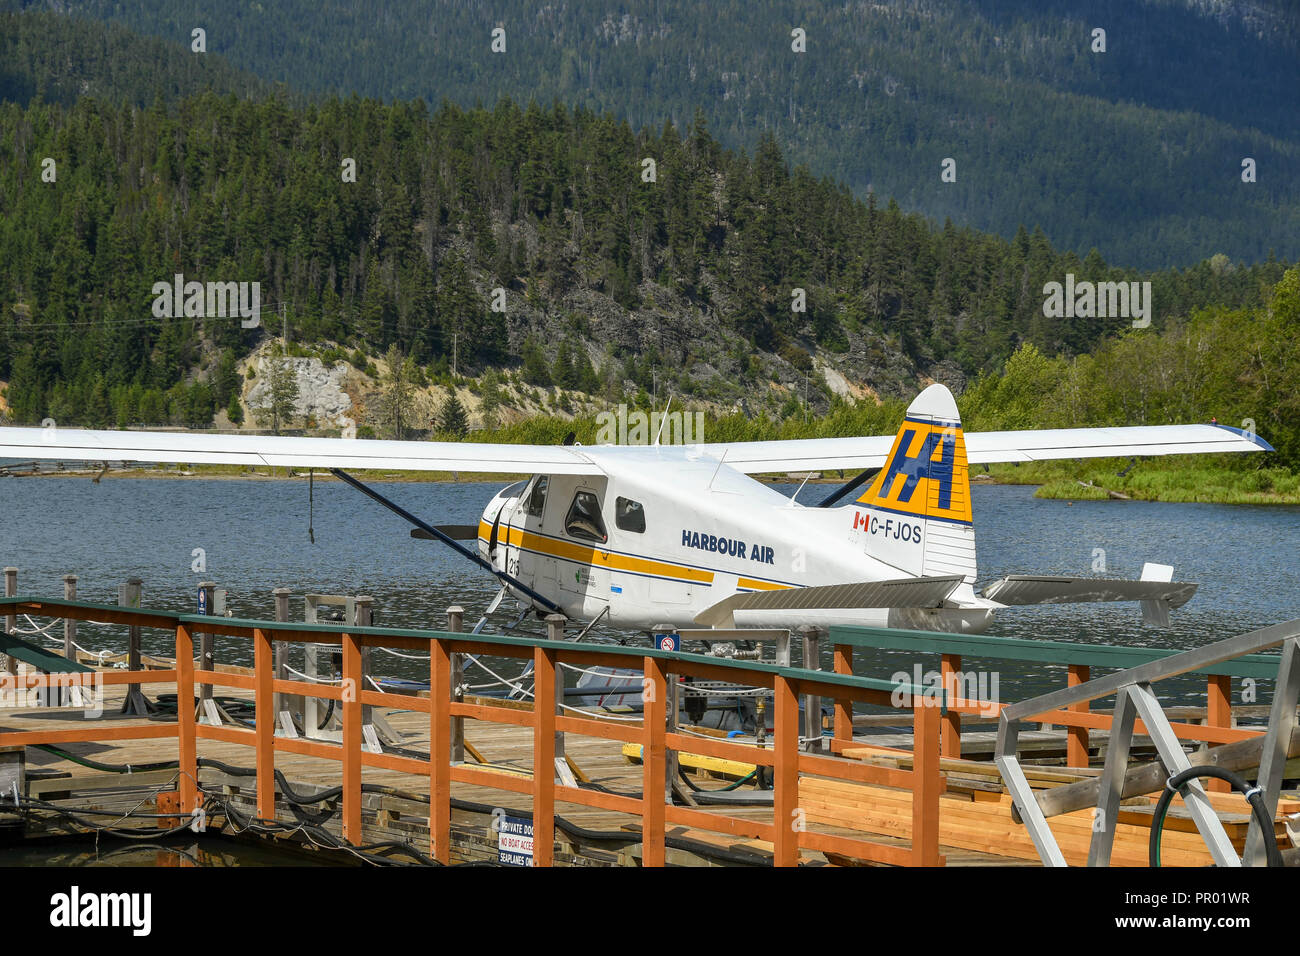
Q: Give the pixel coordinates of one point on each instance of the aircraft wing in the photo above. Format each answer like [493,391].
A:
[810,454]
[851,454]
[75,444]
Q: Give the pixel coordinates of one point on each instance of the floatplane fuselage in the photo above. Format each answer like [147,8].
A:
[683,536]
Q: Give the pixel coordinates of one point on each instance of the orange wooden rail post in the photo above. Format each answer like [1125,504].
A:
[927,784]
[440,734]
[543,757]
[1076,745]
[188,755]
[785,773]
[843,706]
[1218,713]
[264,723]
[949,665]
[654,759]
[351,705]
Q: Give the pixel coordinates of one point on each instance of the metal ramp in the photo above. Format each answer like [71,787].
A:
[35,656]
[1136,699]
[44,661]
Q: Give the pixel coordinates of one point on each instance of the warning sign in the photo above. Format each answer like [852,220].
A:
[515,841]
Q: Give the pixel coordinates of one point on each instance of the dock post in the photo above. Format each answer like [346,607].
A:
[264,723]
[440,749]
[456,624]
[927,782]
[1076,746]
[11,620]
[950,721]
[351,706]
[69,624]
[185,730]
[672,709]
[786,822]
[653,777]
[544,736]
[74,694]
[812,704]
[1218,713]
[130,596]
[555,632]
[364,606]
[284,703]
[207,659]
[843,707]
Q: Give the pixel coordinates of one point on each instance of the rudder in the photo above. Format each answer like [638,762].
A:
[920,502]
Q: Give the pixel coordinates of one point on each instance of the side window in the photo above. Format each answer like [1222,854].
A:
[629,515]
[537,500]
[583,520]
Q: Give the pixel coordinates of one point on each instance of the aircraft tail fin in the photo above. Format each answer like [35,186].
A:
[919,504]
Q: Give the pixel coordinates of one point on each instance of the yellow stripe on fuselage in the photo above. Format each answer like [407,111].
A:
[755,585]
[588,554]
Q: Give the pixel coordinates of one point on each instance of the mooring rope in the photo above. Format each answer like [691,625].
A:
[513,685]
[36,629]
[314,680]
[409,657]
[595,672]
[595,716]
[102,656]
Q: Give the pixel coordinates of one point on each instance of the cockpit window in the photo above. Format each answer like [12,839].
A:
[583,520]
[629,515]
[512,491]
[537,500]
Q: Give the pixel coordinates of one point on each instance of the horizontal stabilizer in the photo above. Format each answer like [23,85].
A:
[1022,589]
[904,592]
[457,532]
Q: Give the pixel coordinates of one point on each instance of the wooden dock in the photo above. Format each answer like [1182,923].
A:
[911,799]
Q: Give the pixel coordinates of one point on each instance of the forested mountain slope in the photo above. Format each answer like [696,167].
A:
[687,280]
[1136,151]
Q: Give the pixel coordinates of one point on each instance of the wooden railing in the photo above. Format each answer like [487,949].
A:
[1078,659]
[786,831]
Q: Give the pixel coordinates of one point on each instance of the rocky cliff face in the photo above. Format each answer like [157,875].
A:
[322,394]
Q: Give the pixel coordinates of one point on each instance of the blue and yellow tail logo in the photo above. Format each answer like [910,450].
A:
[925,475]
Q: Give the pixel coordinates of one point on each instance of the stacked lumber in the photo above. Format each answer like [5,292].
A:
[982,821]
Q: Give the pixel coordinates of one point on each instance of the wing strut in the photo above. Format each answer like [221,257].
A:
[857,482]
[446,539]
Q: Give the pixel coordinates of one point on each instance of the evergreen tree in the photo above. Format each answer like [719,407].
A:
[452,418]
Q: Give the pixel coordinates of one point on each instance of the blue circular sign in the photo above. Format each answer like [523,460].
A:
[203,600]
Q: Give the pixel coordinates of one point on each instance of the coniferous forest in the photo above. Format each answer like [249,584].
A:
[567,245]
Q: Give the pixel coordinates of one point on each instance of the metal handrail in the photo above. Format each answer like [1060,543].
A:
[1135,698]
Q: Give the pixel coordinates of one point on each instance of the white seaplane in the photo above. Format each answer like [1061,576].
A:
[683,536]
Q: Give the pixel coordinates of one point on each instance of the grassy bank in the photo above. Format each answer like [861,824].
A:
[1193,479]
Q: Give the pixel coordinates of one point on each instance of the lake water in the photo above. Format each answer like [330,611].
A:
[253,536]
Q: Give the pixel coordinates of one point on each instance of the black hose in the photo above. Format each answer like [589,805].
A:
[301,801]
[1254,796]
[731,786]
